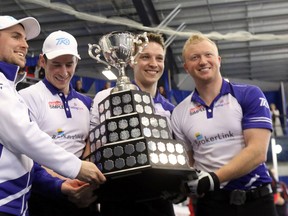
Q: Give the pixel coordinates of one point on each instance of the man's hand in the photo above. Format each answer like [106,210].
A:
[79,192]
[90,173]
[205,182]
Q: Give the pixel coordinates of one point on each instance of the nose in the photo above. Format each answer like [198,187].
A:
[64,70]
[153,62]
[203,60]
[24,44]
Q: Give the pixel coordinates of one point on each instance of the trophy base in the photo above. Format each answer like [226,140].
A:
[143,169]
[146,185]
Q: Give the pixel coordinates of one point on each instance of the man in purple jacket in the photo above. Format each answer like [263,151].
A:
[21,140]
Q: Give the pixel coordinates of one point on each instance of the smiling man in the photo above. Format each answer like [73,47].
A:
[21,141]
[148,69]
[62,113]
[233,179]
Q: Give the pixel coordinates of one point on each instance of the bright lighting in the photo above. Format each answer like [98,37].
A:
[278,149]
[109,74]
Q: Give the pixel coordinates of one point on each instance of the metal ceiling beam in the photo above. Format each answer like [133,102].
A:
[146,12]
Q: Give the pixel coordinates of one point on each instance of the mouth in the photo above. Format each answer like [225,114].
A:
[21,54]
[61,78]
[151,72]
[205,69]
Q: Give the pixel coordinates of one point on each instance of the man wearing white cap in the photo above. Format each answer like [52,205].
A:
[62,113]
[20,138]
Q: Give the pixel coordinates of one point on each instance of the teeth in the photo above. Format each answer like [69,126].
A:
[204,69]
[21,54]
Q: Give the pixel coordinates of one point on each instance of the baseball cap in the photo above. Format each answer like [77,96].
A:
[60,43]
[31,25]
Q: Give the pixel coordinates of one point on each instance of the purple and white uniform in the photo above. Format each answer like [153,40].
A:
[20,140]
[65,118]
[215,133]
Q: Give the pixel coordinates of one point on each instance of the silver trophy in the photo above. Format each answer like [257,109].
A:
[119,49]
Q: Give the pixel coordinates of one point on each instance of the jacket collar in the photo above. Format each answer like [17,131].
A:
[10,71]
[55,90]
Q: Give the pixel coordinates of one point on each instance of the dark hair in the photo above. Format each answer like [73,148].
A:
[156,38]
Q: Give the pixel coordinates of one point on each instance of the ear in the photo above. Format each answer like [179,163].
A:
[42,60]
[185,67]
[219,59]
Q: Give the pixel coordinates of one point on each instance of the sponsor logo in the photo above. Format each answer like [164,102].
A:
[202,140]
[63,40]
[221,103]
[61,134]
[197,109]
[76,107]
[55,105]
[59,105]
[263,102]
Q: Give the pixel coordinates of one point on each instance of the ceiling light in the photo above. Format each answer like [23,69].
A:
[278,149]
[109,74]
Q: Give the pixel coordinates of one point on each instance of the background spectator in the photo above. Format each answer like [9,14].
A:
[78,87]
[275,113]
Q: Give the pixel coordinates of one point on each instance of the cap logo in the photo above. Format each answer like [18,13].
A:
[64,41]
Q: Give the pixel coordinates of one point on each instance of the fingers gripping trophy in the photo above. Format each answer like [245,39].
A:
[132,144]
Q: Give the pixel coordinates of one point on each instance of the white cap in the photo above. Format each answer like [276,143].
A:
[60,43]
[30,24]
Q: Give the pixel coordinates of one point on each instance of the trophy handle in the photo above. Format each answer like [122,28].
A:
[139,42]
[97,51]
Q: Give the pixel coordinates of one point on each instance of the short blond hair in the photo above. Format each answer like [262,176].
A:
[194,39]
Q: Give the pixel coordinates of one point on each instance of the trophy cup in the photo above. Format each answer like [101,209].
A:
[132,146]
[118,49]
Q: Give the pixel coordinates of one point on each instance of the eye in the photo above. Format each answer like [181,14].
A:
[194,58]
[160,58]
[16,36]
[56,65]
[144,57]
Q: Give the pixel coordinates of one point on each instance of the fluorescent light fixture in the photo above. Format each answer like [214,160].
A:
[109,74]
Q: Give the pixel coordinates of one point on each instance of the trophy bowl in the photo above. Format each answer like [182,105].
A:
[119,49]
